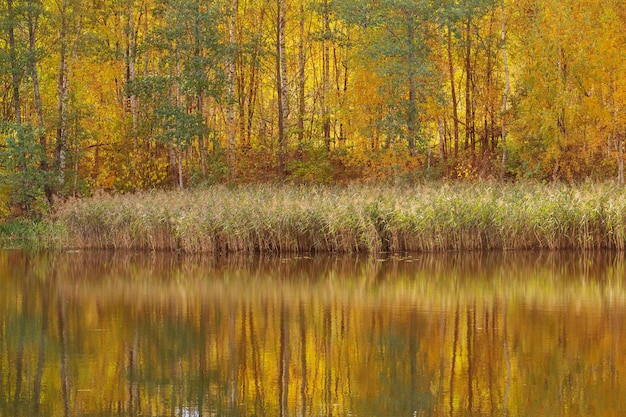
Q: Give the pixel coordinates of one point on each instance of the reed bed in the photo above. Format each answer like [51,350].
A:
[359,218]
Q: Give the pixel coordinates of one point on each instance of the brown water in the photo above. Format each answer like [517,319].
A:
[513,334]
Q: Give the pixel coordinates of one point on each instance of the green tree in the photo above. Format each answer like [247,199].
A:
[23,152]
[396,43]
[190,62]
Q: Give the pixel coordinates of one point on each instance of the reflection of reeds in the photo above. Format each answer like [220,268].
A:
[290,219]
[428,281]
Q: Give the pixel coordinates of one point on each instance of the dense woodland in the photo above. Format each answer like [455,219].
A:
[130,95]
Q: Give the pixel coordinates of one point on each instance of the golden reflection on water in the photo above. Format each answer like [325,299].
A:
[520,334]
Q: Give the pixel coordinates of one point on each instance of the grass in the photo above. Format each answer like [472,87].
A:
[295,219]
[28,234]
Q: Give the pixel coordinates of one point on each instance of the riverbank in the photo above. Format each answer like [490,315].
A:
[294,219]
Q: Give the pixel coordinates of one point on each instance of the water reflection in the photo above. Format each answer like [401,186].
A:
[135,334]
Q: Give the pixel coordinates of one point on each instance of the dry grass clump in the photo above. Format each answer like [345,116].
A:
[435,217]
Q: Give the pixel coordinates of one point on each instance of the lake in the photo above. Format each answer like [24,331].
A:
[455,334]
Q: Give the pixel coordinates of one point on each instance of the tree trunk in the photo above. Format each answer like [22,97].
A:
[301,80]
[254,79]
[62,96]
[201,144]
[412,110]
[199,95]
[455,111]
[130,58]
[325,78]
[179,155]
[469,122]
[232,22]
[15,71]
[32,27]
[281,87]
[507,89]
[489,104]
[15,76]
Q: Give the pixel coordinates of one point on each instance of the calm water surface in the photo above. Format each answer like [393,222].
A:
[513,334]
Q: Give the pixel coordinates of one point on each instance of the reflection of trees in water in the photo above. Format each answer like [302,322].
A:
[410,336]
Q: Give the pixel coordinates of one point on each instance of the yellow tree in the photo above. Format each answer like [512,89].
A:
[554,52]
[609,85]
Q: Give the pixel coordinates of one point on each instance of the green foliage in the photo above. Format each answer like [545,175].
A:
[178,126]
[217,169]
[313,167]
[21,158]
[397,39]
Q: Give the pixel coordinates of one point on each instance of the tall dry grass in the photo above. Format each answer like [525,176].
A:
[281,219]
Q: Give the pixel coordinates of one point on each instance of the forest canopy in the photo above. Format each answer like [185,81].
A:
[130,95]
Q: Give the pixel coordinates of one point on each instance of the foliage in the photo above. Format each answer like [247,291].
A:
[128,95]
[22,177]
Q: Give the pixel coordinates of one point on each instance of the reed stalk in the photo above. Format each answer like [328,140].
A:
[358,218]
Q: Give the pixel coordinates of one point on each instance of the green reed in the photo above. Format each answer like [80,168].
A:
[358,218]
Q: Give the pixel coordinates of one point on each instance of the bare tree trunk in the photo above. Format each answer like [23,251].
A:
[179,154]
[325,78]
[442,141]
[283,64]
[507,89]
[130,58]
[173,169]
[490,103]
[301,79]
[469,122]
[281,86]
[62,96]
[412,110]
[15,72]
[253,86]
[455,111]
[232,59]
[345,85]
[199,94]
[201,144]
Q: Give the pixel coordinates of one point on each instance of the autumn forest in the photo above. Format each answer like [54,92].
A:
[140,94]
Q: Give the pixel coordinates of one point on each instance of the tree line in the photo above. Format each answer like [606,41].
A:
[138,94]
